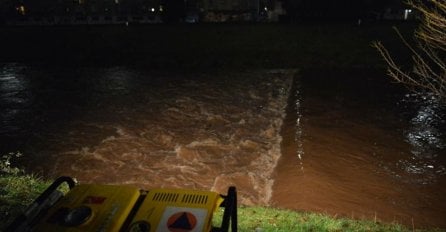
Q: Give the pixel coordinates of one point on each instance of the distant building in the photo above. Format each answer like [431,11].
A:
[399,14]
[241,10]
[231,5]
[48,12]
[397,11]
[276,12]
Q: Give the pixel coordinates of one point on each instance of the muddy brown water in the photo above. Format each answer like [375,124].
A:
[344,142]
[361,148]
[121,125]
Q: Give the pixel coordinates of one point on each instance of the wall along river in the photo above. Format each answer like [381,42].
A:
[345,143]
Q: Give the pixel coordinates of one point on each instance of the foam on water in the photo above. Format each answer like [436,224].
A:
[207,133]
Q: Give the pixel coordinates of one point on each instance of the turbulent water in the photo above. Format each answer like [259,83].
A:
[348,143]
[128,126]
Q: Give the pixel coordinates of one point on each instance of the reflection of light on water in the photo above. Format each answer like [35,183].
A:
[10,81]
[298,135]
[117,78]
[425,139]
[12,88]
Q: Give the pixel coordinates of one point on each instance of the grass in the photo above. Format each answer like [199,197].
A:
[16,193]
[19,189]
[263,219]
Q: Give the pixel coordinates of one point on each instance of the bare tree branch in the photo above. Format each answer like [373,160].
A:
[428,53]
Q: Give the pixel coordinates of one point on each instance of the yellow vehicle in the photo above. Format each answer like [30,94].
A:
[89,207]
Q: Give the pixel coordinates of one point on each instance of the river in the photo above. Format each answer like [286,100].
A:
[348,143]
[356,145]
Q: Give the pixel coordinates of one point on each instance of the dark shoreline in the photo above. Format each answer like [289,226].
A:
[186,46]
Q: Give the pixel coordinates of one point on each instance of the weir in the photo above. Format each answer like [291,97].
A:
[345,152]
[353,144]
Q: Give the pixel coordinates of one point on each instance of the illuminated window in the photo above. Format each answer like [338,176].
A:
[21,10]
[407,13]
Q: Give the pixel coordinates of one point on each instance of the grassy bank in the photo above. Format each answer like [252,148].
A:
[18,190]
[269,219]
[202,45]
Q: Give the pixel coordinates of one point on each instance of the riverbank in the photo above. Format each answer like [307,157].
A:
[19,190]
[186,46]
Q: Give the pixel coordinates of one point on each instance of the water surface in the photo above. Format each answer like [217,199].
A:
[351,144]
[359,146]
[129,125]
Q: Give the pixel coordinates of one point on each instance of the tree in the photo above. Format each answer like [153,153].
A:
[429,53]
